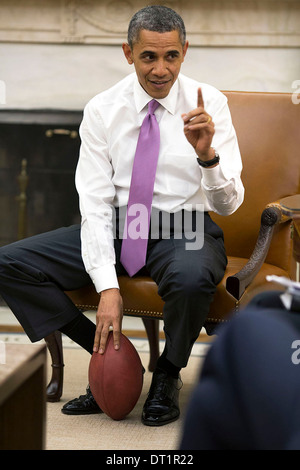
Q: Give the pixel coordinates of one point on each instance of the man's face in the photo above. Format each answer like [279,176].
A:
[157,58]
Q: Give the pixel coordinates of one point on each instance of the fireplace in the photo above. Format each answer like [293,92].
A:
[38,155]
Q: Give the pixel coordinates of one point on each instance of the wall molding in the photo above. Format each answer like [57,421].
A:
[218,23]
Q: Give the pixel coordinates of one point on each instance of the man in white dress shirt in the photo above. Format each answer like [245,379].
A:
[199,166]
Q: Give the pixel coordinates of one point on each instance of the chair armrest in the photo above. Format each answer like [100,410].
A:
[272,215]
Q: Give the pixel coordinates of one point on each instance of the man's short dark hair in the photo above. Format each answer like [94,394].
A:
[155,18]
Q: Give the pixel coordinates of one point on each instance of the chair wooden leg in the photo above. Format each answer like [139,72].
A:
[55,386]
[152,330]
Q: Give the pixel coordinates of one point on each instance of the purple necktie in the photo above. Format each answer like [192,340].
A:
[136,230]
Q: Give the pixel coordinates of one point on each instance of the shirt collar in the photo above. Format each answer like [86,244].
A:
[142,98]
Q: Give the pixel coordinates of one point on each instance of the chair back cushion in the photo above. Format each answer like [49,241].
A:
[268,131]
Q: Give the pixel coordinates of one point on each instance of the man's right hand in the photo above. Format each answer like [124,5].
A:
[109,314]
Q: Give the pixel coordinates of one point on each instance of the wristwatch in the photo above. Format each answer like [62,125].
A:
[209,163]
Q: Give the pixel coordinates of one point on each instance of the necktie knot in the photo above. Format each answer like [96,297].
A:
[152,106]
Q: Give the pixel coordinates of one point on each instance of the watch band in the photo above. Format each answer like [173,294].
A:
[209,163]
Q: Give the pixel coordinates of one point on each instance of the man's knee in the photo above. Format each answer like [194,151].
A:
[190,280]
[196,280]
[14,265]
[200,270]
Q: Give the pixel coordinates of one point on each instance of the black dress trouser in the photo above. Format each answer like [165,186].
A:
[35,272]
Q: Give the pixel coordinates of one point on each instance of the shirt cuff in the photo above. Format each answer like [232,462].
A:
[104,278]
[213,177]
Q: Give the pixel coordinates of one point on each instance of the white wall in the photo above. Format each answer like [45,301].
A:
[67,76]
[60,53]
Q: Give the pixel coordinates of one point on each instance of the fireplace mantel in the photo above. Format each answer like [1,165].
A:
[209,22]
[57,117]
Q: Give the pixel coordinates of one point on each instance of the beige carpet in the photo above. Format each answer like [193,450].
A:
[99,432]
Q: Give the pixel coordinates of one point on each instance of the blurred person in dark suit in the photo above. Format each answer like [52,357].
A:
[249,388]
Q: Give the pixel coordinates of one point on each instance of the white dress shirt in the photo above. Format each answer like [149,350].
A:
[109,133]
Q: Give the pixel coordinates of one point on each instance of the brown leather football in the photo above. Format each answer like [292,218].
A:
[116,378]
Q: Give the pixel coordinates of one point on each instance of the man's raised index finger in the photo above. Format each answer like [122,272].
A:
[200,102]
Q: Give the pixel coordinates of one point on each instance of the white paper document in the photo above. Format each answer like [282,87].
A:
[292,289]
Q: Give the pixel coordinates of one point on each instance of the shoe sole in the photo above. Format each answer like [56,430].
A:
[66,412]
[162,423]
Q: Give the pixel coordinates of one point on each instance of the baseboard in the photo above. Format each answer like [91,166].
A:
[203,338]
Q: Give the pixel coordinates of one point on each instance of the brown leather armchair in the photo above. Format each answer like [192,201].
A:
[257,236]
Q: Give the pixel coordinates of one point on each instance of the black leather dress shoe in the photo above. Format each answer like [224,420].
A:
[84,405]
[161,406]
